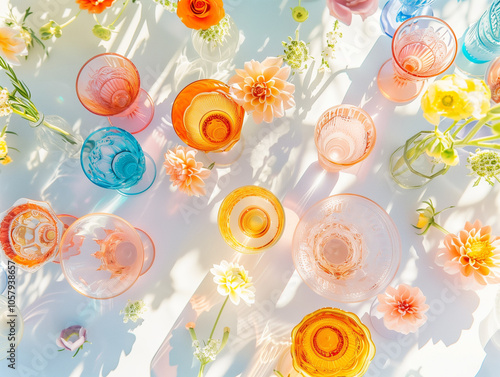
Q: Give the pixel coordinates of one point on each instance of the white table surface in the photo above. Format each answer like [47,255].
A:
[461,338]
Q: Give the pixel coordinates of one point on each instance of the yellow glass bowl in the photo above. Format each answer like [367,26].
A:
[331,343]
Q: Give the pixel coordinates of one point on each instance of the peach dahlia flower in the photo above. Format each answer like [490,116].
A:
[185,172]
[473,253]
[403,308]
[11,45]
[262,90]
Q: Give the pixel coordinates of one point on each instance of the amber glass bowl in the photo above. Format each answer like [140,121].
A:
[251,219]
[206,118]
[331,343]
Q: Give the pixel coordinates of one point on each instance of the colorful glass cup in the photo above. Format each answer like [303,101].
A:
[109,85]
[102,255]
[206,118]
[344,136]
[30,233]
[492,78]
[251,219]
[346,248]
[422,47]
[112,158]
[395,12]
[331,343]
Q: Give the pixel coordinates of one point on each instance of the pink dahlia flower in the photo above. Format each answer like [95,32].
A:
[185,172]
[473,253]
[403,308]
[343,9]
[262,90]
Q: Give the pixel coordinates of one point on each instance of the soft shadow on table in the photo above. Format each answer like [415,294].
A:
[489,368]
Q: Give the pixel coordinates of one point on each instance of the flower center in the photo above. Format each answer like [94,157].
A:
[199,7]
[259,90]
[404,307]
[447,100]
[479,250]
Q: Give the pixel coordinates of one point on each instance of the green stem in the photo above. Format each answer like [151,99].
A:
[96,20]
[218,317]
[70,20]
[202,368]
[119,14]
[300,2]
[480,144]
[455,133]
[439,227]
[451,127]
[475,129]
[486,138]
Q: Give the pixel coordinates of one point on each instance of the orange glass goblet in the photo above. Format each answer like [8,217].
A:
[344,136]
[206,118]
[102,255]
[251,219]
[109,85]
[30,232]
[422,47]
[331,343]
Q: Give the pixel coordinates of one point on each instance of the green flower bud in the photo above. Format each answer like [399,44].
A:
[50,29]
[300,14]
[450,156]
[102,32]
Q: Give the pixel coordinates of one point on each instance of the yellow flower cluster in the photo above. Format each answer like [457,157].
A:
[456,98]
[4,150]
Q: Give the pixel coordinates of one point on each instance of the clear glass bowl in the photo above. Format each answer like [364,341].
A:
[346,248]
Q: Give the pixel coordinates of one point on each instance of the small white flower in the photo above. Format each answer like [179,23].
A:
[5,108]
[232,280]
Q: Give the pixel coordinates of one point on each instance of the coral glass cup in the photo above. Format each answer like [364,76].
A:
[422,47]
[109,85]
[102,255]
[331,343]
[251,219]
[206,118]
[344,136]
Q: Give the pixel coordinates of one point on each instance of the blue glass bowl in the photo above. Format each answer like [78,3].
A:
[112,158]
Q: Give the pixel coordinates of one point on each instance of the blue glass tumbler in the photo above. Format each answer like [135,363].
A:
[395,12]
[481,42]
[112,158]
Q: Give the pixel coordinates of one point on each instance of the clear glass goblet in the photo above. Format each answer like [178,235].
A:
[206,118]
[346,248]
[251,219]
[395,12]
[102,255]
[109,85]
[422,47]
[344,136]
[112,158]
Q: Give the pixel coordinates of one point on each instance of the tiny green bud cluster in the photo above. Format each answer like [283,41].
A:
[485,164]
[133,311]
[296,54]
[216,35]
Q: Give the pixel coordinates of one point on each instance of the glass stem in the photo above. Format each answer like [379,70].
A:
[218,317]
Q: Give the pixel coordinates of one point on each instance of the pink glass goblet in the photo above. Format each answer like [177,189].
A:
[422,47]
[492,78]
[344,136]
[109,85]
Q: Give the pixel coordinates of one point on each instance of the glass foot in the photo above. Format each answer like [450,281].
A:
[226,158]
[146,181]
[67,220]
[391,18]
[137,118]
[394,88]
[149,250]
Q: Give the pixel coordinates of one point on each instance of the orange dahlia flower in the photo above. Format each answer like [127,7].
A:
[200,14]
[262,90]
[473,253]
[94,6]
[185,172]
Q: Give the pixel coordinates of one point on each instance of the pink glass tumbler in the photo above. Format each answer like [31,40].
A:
[422,47]
[344,136]
[109,85]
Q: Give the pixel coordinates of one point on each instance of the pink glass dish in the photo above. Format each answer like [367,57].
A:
[102,255]
[109,85]
[346,248]
[30,233]
[422,47]
[344,136]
